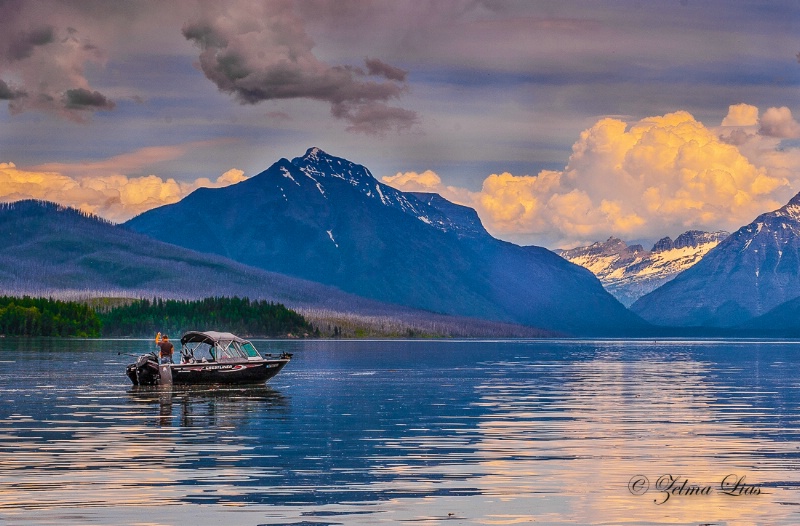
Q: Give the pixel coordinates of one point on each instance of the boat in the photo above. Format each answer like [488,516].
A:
[209,357]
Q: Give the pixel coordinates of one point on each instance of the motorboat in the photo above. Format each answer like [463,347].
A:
[209,358]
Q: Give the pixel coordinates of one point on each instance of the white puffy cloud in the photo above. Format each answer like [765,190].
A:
[778,122]
[115,197]
[659,176]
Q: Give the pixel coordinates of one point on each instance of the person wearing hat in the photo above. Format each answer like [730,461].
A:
[166,349]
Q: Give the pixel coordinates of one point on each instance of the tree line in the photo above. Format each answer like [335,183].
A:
[47,317]
[28,316]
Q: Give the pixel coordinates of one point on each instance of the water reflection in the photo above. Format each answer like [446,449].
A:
[564,438]
[210,406]
[421,432]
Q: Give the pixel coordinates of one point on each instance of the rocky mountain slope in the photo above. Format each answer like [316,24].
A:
[326,219]
[751,272]
[630,272]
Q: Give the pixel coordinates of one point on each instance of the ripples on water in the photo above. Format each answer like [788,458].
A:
[396,432]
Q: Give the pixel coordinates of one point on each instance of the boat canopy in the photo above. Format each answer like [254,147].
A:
[217,346]
[210,337]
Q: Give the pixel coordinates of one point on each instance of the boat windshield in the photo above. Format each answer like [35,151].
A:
[230,350]
[251,351]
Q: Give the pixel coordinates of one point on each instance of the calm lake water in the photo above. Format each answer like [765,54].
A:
[408,432]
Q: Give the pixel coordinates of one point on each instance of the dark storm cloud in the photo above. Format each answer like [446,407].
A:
[261,51]
[84,99]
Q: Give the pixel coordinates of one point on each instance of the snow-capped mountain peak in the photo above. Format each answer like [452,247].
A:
[629,272]
[318,165]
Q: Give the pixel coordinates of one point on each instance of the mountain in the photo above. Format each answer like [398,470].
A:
[752,271]
[326,219]
[49,249]
[630,272]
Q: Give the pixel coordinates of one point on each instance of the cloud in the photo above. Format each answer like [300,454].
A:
[21,46]
[113,196]
[778,122]
[82,99]
[232,176]
[380,68]
[7,93]
[137,161]
[259,51]
[47,63]
[741,115]
[775,122]
[659,176]
[427,181]
[374,118]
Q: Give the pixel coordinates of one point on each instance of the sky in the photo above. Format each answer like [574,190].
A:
[561,122]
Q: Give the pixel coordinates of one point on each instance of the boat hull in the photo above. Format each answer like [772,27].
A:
[249,372]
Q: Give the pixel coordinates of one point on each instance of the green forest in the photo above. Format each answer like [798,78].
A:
[141,318]
[47,317]
[240,316]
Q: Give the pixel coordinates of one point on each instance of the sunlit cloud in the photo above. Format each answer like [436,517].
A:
[659,176]
[426,181]
[113,196]
[741,115]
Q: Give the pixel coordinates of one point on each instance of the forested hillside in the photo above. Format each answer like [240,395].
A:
[237,315]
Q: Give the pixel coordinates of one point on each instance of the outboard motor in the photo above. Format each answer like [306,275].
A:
[145,370]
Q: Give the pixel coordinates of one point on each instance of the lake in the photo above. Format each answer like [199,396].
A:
[408,432]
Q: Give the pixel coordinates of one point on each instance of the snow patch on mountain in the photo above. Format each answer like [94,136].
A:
[629,272]
[330,235]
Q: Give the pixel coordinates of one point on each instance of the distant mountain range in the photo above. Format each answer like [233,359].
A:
[630,272]
[752,272]
[326,219]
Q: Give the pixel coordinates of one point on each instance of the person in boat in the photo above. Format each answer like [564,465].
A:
[166,349]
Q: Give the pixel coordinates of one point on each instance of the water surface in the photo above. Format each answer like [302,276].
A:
[408,432]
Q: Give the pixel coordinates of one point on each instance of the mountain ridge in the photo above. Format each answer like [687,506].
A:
[327,219]
[57,251]
[749,273]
